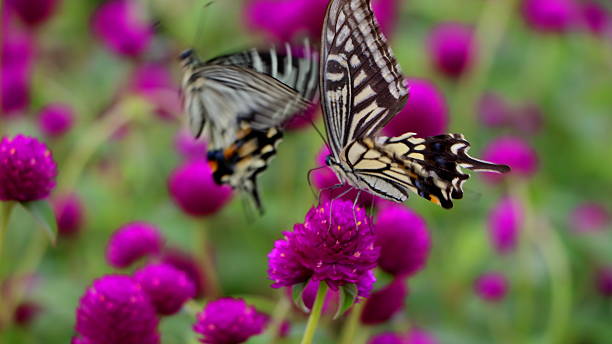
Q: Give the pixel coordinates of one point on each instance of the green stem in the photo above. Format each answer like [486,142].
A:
[315,314]
[5,216]
[352,323]
[283,306]
[205,256]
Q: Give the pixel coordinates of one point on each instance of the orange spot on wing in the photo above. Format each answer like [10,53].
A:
[213,165]
[434,199]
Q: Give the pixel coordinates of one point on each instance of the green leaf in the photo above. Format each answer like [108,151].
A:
[44,215]
[348,295]
[297,290]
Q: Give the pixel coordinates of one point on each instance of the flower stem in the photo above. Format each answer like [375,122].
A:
[315,314]
[283,306]
[351,325]
[5,215]
[205,256]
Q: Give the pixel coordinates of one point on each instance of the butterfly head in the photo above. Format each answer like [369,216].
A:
[188,58]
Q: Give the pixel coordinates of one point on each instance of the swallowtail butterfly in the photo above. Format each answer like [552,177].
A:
[362,88]
[239,103]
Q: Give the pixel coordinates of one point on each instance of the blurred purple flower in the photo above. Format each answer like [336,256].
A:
[15,92]
[168,287]
[512,151]
[528,119]
[418,336]
[154,82]
[589,217]
[556,16]
[385,303]
[56,119]
[120,25]
[403,239]
[69,213]
[491,287]
[596,18]
[426,112]
[17,49]
[28,171]
[494,111]
[283,20]
[189,147]
[115,310]
[193,189]
[452,48]
[505,222]
[26,312]
[131,242]
[229,321]
[186,263]
[387,338]
[33,12]
[337,248]
[304,119]
[604,281]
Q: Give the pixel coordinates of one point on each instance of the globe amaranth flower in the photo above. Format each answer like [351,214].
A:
[385,303]
[494,111]
[553,16]
[514,152]
[452,48]
[335,244]
[419,336]
[69,212]
[491,286]
[168,287]
[304,119]
[589,217]
[193,189]
[131,242]
[116,310]
[425,113]
[595,17]
[27,169]
[154,82]
[505,222]
[284,20]
[387,338]
[188,146]
[33,12]
[228,321]
[186,263]
[56,119]
[604,281]
[403,239]
[528,119]
[16,68]
[26,312]
[121,26]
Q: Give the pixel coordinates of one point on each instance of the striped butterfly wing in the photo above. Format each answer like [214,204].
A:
[362,87]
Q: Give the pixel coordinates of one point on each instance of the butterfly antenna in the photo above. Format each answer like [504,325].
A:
[201,22]
[309,175]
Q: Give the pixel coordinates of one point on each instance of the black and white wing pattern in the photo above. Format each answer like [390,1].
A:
[239,103]
[362,88]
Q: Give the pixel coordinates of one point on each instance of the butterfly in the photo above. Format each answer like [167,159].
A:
[362,89]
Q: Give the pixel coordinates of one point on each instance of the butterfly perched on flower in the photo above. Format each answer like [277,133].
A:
[239,103]
[362,89]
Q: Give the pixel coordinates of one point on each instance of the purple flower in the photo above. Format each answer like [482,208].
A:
[69,214]
[229,321]
[167,287]
[15,91]
[16,64]
[387,338]
[189,147]
[604,281]
[304,119]
[115,310]
[336,247]
[131,242]
[595,17]
[418,336]
[193,189]
[33,12]
[514,152]
[426,112]
[154,83]
[403,239]
[187,264]
[385,303]
[494,111]
[505,221]
[27,169]
[589,217]
[122,28]
[56,119]
[283,20]
[555,16]
[528,119]
[491,287]
[452,48]
[26,312]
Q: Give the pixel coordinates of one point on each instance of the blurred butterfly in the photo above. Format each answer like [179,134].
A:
[239,102]
[362,89]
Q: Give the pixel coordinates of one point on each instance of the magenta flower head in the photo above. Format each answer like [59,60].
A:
[505,222]
[596,18]
[33,12]
[491,287]
[387,338]
[56,119]
[229,321]
[514,152]
[189,147]
[119,24]
[27,169]
[193,189]
[69,212]
[334,244]
[116,310]
[425,113]
[153,81]
[604,281]
[419,336]
[385,303]
[452,48]
[590,217]
[131,242]
[186,263]
[167,287]
[14,92]
[553,16]
[403,239]
[494,111]
[26,313]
